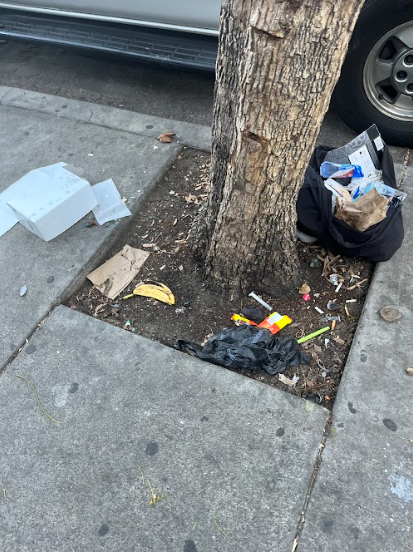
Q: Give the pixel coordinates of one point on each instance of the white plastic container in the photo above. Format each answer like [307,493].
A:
[51,200]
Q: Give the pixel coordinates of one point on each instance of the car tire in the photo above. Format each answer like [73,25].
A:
[373,87]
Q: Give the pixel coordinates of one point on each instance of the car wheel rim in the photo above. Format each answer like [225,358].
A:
[388,74]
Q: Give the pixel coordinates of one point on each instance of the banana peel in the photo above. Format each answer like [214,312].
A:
[159,291]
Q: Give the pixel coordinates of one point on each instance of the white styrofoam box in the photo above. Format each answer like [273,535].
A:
[51,200]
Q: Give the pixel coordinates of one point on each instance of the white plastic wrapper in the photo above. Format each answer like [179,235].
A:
[110,205]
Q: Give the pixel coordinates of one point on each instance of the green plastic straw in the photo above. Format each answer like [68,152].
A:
[315,334]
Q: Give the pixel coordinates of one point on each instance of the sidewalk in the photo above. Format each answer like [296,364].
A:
[363,497]
[230,453]
[218,445]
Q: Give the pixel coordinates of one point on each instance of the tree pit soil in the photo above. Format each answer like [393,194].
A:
[162,226]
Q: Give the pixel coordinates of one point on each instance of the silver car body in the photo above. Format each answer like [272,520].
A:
[197,16]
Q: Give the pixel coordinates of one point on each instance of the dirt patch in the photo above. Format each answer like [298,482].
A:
[162,227]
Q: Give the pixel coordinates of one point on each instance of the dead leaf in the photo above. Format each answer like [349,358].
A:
[339,340]
[166,137]
[305,288]
[317,349]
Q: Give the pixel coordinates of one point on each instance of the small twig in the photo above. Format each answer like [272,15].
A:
[194,526]
[218,527]
[4,492]
[155,497]
[29,383]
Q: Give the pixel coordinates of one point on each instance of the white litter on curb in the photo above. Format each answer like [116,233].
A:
[49,200]
[110,205]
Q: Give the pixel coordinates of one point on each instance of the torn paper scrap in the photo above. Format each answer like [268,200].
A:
[48,201]
[112,277]
[110,205]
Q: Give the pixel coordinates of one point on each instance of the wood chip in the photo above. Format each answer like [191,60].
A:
[191,198]
[99,308]
[285,380]
[339,340]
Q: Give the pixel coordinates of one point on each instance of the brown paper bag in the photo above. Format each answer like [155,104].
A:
[365,211]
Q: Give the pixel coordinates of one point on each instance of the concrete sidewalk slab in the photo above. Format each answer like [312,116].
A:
[219,445]
[196,136]
[29,139]
[363,497]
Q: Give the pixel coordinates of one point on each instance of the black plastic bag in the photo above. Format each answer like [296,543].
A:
[248,347]
[315,218]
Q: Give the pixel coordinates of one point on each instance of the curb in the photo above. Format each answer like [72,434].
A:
[188,134]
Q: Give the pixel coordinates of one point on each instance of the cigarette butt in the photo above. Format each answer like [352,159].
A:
[260,301]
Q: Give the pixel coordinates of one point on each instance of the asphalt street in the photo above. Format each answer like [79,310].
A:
[109,80]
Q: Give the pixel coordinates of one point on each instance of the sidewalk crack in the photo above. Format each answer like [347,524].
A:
[311,484]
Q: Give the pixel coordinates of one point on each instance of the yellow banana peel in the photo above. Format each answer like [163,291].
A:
[161,292]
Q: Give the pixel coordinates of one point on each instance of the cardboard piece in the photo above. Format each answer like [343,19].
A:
[117,273]
[110,205]
[49,200]
[365,211]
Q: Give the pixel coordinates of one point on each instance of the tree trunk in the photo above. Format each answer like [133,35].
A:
[278,63]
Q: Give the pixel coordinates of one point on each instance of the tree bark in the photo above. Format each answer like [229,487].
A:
[278,63]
